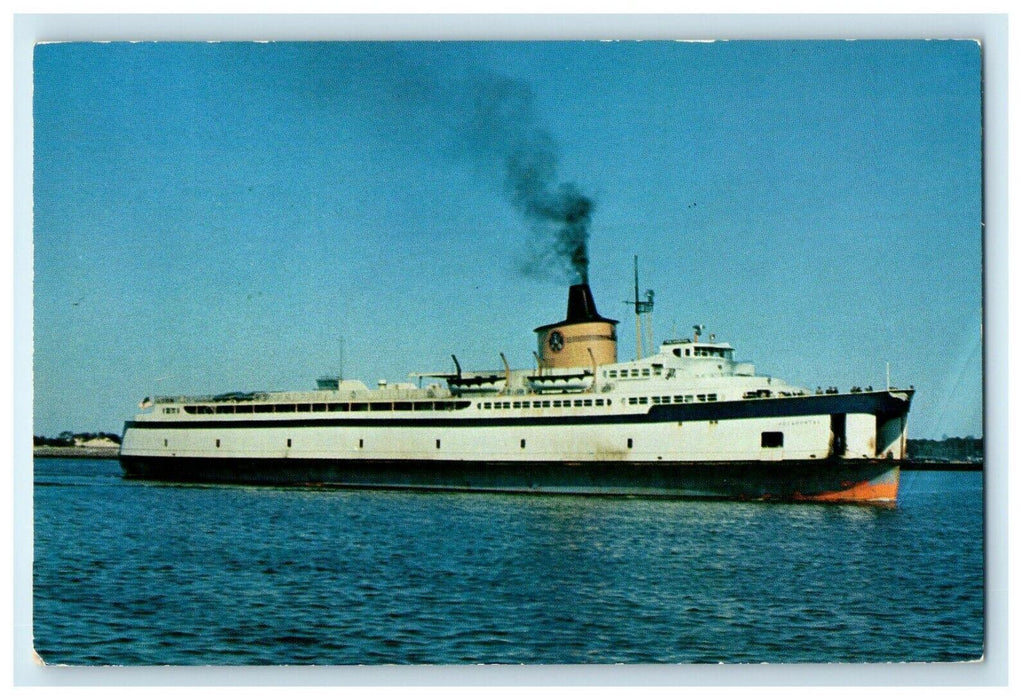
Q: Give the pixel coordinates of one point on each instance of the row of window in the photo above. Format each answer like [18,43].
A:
[676,398]
[633,401]
[702,352]
[329,407]
[635,372]
[542,403]
[202,409]
[766,394]
[638,372]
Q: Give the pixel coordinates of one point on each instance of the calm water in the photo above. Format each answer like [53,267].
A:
[137,573]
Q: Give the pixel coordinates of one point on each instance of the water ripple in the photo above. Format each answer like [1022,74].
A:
[134,573]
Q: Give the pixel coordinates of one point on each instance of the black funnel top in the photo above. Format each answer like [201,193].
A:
[580,304]
[581,308]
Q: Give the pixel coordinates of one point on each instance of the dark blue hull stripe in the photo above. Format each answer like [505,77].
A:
[784,480]
[876,403]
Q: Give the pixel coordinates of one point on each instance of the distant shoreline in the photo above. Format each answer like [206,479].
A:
[75,452]
[924,466]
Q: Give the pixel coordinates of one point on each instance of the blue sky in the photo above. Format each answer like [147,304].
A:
[214,217]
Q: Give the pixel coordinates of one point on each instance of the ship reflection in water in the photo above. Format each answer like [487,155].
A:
[133,572]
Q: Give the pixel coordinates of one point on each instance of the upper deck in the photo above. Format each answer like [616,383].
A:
[682,372]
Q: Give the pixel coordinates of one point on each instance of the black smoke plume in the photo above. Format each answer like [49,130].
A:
[503,128]
[490,119]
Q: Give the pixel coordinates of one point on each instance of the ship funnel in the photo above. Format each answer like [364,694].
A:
[580,305]
[583,339]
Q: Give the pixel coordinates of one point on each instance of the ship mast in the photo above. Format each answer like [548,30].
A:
[643,310]
[636,304]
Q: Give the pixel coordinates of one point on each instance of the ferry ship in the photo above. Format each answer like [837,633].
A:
[688,420]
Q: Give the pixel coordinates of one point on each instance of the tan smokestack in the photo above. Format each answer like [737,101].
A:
[583,339]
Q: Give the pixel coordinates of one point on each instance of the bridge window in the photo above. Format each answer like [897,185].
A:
[774,439]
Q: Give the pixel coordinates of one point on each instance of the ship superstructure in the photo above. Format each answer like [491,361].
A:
[688,420]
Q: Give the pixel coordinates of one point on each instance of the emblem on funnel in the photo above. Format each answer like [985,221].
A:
[557,341]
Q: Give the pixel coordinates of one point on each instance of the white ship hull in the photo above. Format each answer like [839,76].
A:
[678,450]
